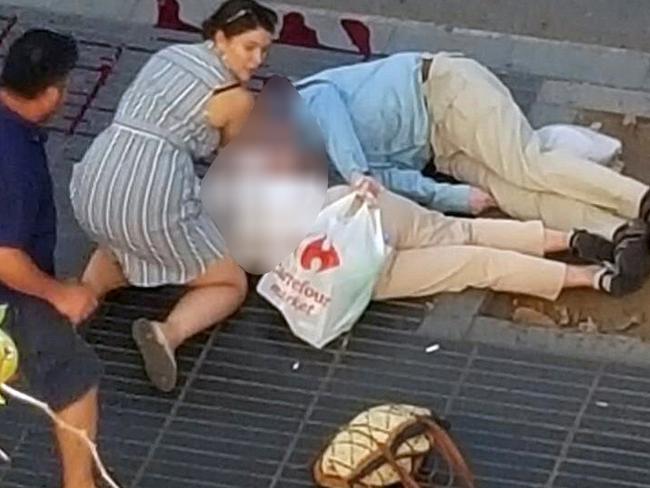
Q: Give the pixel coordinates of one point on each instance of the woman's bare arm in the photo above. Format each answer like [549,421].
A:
[228,111]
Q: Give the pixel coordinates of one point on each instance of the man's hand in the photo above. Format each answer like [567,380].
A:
[73,301]
[366,185]
[480,201]
[20,273]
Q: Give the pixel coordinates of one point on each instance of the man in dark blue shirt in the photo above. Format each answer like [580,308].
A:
[57,365]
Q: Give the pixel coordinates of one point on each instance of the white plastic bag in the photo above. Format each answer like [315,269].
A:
[326,284]
[583,142]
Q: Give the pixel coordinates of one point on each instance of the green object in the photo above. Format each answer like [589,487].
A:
[8,353]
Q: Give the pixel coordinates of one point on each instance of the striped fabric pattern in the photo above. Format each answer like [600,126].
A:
[136,191]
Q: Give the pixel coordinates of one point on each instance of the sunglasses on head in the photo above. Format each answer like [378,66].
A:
[238,15]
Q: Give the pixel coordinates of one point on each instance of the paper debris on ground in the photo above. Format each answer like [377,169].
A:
[588,326]
[564,318]
[629,120]
[597,126]
[527,315]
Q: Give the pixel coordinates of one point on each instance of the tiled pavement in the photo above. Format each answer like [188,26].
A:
[254,404]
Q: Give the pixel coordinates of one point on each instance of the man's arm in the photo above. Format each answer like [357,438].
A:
[412,184]
[19,273]
[333,117]
[20,206]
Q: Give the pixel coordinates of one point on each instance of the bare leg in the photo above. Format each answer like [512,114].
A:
[555,241]
[103,273]
[581,276]
[211,298]
[75,457]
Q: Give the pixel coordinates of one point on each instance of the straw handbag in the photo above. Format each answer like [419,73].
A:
[385,446]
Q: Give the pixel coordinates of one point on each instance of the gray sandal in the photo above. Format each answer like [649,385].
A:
[159,361]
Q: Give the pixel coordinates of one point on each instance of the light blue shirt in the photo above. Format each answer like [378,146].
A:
[373,117]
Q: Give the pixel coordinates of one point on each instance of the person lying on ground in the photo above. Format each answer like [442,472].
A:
[135,192]
[57,364]
[386,119]
[434,253]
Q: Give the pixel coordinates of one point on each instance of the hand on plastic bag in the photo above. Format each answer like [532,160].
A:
[367,187]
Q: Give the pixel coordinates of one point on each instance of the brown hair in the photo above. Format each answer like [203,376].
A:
[235,17]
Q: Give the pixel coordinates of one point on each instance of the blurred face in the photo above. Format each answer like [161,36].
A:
[244,53]
[266,187]
[261,204]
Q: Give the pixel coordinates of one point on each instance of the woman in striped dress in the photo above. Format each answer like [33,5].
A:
[135,191]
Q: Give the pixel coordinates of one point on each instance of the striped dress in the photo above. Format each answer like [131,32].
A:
[135,191]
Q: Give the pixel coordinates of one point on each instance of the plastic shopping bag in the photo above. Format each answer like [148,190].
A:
[326,284]
[583,142]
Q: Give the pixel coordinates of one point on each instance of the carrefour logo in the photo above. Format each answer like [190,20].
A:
[319,256]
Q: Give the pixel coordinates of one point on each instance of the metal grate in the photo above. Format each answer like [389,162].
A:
[255,405]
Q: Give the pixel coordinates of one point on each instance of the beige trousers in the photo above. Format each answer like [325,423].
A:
[434,253]
[481,137]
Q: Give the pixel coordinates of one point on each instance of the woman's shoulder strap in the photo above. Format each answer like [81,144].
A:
[226,88]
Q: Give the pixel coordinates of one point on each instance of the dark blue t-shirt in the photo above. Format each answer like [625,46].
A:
[27,212]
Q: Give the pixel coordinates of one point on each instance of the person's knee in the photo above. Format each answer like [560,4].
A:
[87,400]
[228,275]
[74,381]
[239,283]
[103,272]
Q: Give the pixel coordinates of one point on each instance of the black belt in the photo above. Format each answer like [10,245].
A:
[426,67]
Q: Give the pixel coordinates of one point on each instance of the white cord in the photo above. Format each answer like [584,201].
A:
[44,407]
[4,456]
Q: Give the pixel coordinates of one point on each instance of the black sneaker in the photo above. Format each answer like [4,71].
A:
[631,265]
[634,229]
[591,247]
[611,280]
[632,250]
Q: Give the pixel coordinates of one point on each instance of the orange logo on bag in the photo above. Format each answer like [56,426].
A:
[328,258]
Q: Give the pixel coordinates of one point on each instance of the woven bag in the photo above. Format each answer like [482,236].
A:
[385,446]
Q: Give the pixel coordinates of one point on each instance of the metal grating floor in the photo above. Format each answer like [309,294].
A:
[244,416]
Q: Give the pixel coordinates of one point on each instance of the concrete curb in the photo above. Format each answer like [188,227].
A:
[605,66]
[502,333]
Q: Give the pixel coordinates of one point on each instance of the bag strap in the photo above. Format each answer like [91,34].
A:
[443,443]
[344,204]
[408,481]
[435,429]
[388,456]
